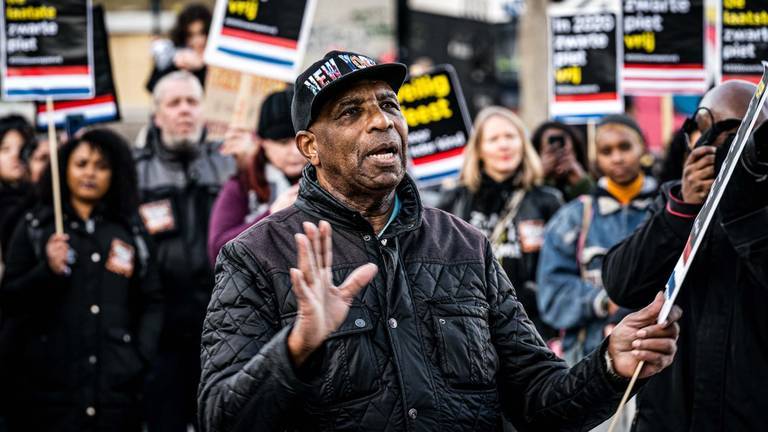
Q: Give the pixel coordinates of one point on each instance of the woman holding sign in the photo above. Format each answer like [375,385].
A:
[500,193]
[85,306]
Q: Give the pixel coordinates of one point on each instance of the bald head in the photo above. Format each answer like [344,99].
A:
[728,100]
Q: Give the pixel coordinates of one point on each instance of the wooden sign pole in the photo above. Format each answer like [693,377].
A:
[53,150]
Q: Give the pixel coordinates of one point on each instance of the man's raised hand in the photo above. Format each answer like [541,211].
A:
[322,307]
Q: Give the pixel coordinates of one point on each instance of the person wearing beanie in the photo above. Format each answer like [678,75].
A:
[571,296]
[267,184]
[357,308]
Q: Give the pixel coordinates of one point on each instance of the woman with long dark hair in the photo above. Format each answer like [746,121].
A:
[84,307]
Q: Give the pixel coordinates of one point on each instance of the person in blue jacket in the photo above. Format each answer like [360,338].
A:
[571,295]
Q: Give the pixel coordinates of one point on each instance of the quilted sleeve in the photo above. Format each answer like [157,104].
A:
[248,379]
[538,391]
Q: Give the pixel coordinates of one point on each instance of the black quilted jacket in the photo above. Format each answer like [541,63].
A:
[437,342]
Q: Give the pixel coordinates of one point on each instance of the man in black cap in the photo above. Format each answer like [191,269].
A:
[399,317]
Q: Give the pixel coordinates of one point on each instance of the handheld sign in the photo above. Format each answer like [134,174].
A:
[103,107]
[438,124]
[46,49]
[584,64]
[703,219]
[260,38]
[664,45]
[742,39]
[233,99]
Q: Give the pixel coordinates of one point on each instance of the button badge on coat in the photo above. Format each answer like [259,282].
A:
[120,259]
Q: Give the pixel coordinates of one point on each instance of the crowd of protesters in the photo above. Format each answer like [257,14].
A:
[100,326]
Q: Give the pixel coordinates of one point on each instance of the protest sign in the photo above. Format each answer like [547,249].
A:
[584,63]
[742,39]
[233,99]
[46,49]
[664,47]
[438,124]
[103,107]
[260,38]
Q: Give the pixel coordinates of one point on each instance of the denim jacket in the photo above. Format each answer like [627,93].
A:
[569,276]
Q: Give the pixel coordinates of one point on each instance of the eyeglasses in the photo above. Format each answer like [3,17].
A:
[709,134]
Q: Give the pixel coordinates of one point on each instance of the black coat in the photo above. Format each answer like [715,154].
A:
[80,344]
[437,342]
[181,188]
[520,253]
[717,381]
[12,199]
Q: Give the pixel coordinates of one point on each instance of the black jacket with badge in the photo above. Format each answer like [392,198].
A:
[76,347]
[438,340]
[717,381]
[177,191]
[519,246]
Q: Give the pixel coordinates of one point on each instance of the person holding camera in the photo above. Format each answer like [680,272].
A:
[563,158]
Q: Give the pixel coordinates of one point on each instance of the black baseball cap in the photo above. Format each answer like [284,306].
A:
[275,117]
[320,81]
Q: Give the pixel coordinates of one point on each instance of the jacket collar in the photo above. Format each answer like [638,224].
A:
[318,202]
[607,204]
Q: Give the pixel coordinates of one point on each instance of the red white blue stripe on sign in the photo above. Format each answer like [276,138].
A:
[62,81]
[100,109]
[268,41]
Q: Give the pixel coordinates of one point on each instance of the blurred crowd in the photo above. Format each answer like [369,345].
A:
[100,325]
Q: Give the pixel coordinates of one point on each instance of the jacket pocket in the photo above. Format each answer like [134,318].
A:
[349,371]
[466,354]
[123,365]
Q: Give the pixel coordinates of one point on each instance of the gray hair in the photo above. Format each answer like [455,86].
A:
[180,75]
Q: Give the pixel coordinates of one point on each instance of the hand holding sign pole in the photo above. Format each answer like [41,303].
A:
[704,218]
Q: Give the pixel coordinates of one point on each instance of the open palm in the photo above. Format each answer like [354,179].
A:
[322,306]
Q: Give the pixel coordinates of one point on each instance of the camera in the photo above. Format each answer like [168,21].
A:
[557,141]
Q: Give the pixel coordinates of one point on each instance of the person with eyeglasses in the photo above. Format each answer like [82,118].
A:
[717,381]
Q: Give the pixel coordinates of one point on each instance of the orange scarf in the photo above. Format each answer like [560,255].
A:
[625,194]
